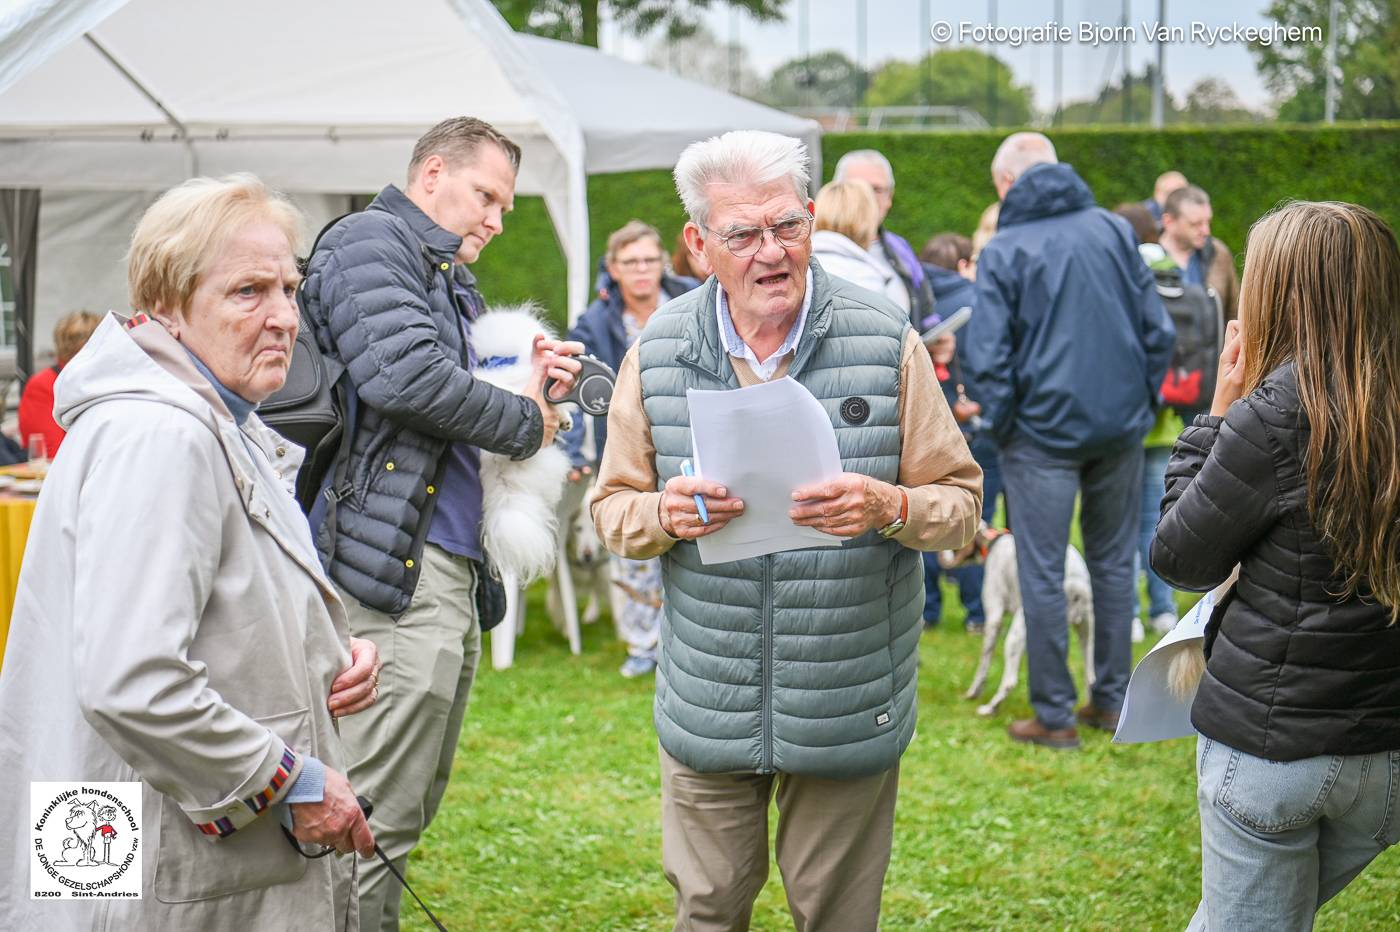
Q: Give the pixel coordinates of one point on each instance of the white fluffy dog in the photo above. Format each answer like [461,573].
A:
[1001,593]
[519,497]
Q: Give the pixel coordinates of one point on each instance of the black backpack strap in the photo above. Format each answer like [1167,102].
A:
[302,264]
[338,486]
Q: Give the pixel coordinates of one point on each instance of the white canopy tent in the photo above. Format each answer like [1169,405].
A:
[104,103]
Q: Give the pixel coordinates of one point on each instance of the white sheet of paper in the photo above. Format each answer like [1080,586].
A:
[761,443]
[1150,711]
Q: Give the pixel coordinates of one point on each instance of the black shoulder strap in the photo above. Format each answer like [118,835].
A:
[303,263]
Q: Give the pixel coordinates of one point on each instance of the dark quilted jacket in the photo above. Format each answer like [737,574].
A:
[1293,671]
[379,293]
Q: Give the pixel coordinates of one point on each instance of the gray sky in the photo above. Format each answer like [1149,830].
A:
[895,30]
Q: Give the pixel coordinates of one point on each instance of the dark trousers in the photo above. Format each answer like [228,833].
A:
[1040,492]
[968,578]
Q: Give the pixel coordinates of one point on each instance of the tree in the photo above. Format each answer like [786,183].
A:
[954,78]
[1368,60]
[1109,107]
[702,57]
[1212,100]
[577,20]
[826,79]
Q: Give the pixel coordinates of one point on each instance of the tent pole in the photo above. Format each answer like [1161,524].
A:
[174,121]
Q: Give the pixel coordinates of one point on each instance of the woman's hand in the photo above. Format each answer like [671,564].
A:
[1229,378]
[357,686]
[336,821]
[965,409]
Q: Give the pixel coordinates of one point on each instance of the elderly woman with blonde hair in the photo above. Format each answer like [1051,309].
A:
[173,627]
[848,221]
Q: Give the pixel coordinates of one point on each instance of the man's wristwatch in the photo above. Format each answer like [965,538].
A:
[897,525]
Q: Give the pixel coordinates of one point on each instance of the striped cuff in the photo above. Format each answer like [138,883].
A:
[256,803]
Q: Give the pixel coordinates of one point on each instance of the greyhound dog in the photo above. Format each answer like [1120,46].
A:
[1001,593]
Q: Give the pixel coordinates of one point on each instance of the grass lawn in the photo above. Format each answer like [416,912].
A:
[552,820]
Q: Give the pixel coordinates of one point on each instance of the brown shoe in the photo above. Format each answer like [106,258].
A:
[1031,731]
[1094,717]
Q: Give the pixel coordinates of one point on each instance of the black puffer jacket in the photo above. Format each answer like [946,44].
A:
[379,291]
[1293,671]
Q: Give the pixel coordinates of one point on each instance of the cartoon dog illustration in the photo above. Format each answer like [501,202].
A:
[82,821]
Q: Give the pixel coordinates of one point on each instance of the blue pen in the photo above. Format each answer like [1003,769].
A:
[689,471]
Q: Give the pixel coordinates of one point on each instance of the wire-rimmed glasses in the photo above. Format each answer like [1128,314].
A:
[746,241]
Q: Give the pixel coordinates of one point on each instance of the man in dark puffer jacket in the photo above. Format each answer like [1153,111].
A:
[390,295]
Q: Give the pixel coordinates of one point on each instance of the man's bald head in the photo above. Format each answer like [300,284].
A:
[1018,152]
[1167,182]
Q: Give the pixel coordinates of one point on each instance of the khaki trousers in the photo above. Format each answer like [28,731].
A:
[834,841]
[401,747]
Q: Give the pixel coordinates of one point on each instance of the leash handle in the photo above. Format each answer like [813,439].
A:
[368,807]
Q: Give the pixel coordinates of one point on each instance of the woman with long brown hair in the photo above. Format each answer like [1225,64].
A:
[1295,477]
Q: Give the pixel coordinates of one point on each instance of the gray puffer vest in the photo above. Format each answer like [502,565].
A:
[802,662]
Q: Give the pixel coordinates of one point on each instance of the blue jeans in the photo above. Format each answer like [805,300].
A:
[1279,839]
[1041,487]
[1160,600]
[968,578]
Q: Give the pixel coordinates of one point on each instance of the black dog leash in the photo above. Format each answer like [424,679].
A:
[368,807]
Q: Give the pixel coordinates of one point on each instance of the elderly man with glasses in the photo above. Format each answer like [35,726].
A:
[792,673]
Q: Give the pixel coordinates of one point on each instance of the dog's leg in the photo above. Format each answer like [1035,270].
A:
[553,605]
[995,611]
[1012,654]
[1086,640]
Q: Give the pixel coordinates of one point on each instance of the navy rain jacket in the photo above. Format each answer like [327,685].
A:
[950,292]
[1069,341]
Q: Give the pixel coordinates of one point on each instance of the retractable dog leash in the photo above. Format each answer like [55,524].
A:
[593,387]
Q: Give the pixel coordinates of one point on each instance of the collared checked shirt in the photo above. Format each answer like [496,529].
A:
[735,345]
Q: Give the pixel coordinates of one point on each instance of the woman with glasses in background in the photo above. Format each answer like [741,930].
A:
[634,282]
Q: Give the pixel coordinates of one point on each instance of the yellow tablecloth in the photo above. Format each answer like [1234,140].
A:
[15,515]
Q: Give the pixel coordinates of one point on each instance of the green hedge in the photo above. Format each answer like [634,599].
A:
[944,183]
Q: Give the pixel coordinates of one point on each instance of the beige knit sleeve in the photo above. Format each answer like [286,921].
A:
[936,468]
[626,504]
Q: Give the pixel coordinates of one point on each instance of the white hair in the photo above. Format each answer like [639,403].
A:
[863,157]
[742,156]
[1020,151]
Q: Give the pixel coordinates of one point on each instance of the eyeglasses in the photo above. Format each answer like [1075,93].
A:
[637,265]
[746,241]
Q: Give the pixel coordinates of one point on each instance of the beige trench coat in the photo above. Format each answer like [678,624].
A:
[172,626]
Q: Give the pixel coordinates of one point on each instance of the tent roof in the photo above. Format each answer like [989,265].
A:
[637,117]
[328,96]
[315,72]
